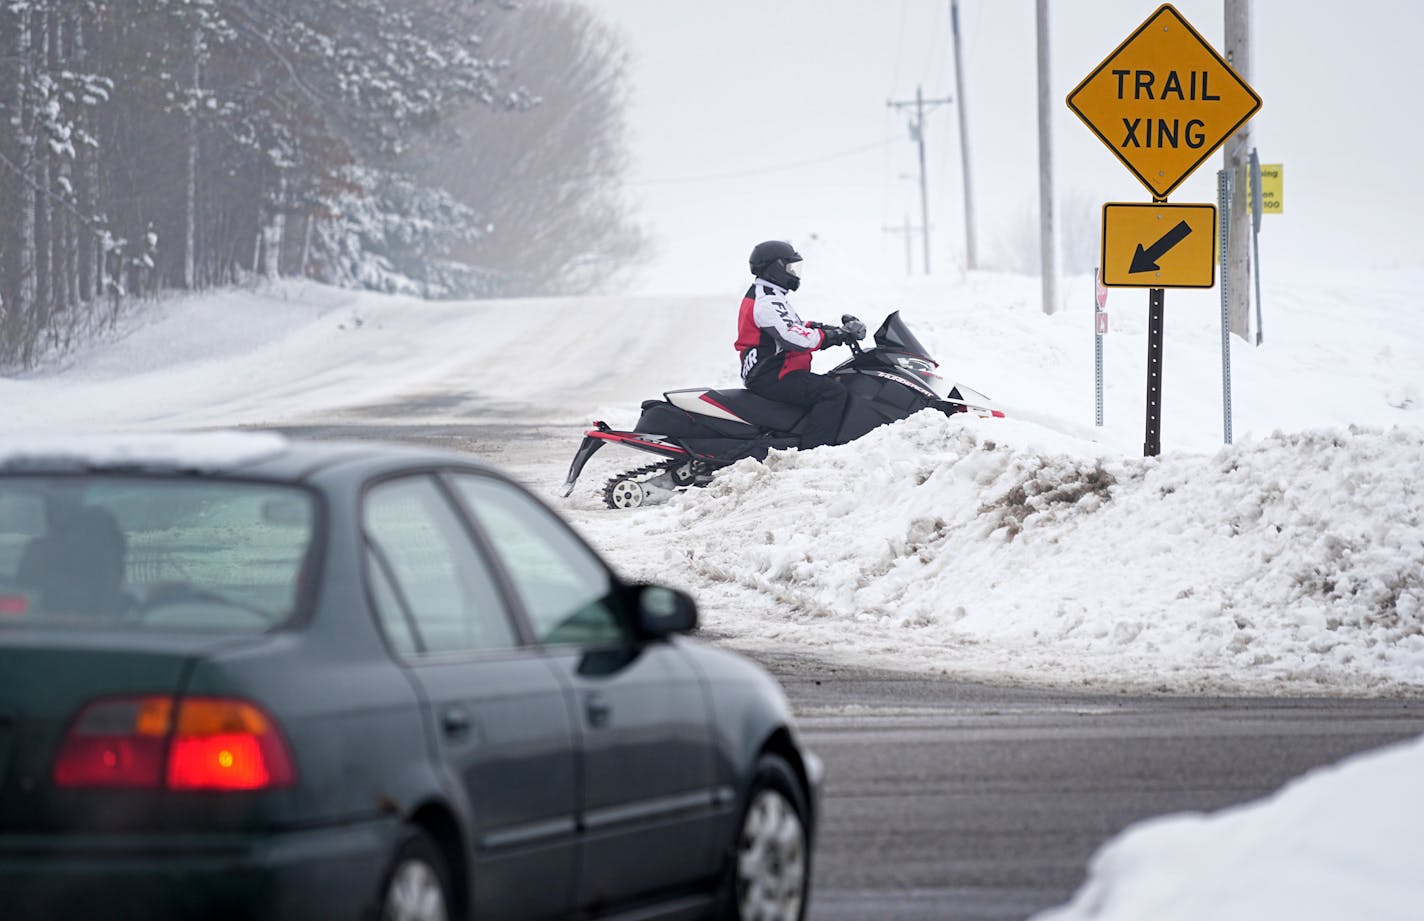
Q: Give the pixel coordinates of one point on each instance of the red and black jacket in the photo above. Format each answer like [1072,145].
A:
[771,338]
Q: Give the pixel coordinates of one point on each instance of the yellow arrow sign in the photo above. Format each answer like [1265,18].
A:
[1163,101]
[1159,245]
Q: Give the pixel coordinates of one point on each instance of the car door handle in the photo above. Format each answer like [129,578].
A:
[455,720]
[598,710]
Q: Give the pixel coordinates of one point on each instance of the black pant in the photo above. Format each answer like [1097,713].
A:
[826,398]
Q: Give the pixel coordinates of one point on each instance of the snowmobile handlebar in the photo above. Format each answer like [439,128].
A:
[851,329]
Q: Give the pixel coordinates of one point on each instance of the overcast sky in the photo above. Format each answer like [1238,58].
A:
[753,119]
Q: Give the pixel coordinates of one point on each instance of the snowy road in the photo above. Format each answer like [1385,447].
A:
[947,800]
[1035,551]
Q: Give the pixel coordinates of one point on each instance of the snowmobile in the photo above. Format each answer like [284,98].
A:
[699,430]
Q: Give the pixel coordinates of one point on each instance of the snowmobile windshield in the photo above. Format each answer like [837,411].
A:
[894,334]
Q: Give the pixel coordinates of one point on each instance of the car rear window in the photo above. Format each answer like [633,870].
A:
[151,552]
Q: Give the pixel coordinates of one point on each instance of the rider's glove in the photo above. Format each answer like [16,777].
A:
[853,327]
[834,335]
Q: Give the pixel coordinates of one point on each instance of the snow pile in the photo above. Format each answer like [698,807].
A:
[966,545]
[1339,842]
[194,451]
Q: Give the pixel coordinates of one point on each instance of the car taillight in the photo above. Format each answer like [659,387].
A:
[14,604]
[226,745]
[212,744]
[116,743]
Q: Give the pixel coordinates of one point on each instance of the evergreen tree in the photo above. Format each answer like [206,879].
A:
[154,144]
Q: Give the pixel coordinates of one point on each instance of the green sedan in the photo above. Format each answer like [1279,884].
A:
[243,676]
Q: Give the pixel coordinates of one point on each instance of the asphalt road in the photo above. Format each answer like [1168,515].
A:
[948,800]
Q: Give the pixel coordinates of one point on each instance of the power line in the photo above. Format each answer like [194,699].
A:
[769,169]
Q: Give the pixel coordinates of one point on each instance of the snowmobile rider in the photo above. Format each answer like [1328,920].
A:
[776,345]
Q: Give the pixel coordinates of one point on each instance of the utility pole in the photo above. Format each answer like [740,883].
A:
[971,257]
[1238,146]
[908,231]
[917,134]
[1045,167]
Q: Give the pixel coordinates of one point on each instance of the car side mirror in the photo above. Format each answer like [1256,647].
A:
[663,611]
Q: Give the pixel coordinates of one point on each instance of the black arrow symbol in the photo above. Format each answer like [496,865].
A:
[1145,260]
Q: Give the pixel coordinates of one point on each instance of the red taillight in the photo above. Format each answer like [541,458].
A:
[212,744]
[226,745]
[14,604]
[116,743]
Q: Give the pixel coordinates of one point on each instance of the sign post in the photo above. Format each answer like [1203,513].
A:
[1162,102]
[1256,210]
[1100,329]
[1223,196]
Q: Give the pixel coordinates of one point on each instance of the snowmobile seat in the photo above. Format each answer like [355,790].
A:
[758,410]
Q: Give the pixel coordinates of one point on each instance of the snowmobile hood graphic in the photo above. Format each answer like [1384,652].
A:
[699,430]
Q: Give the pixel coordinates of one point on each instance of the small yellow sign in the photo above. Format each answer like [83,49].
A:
[1273,188]
[1159,245]
[1163,101]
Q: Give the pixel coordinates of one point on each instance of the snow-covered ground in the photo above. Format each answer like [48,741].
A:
[1037,548]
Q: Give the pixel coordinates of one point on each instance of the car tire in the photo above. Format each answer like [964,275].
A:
[769,872]
[417,885]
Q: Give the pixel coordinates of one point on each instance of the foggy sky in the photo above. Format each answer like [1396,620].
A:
[768,118]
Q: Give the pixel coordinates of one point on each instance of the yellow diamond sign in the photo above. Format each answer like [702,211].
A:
[1164,101]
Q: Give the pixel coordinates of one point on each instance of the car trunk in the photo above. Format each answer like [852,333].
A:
[47,677]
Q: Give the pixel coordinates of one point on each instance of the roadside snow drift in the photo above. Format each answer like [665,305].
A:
[965,546]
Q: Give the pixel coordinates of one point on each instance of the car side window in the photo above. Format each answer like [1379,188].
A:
[566,590]
[432,590]
[392,613]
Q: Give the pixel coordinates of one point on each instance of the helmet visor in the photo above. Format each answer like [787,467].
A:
[794,268]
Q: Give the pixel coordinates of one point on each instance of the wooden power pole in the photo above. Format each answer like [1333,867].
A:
[971,256]
[1045,166]
[917,134]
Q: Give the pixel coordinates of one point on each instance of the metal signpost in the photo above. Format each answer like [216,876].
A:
[1162,102]
[1256,209]
[1223,196]
[1100,329]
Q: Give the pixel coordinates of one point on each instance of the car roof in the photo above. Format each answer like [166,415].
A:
[262,454]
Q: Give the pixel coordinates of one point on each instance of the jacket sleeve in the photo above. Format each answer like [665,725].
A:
[773,314]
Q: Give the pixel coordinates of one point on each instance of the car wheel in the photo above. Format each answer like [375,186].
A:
[771,860]
[418,884]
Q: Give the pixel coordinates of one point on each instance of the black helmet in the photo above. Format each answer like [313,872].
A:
[772,260]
